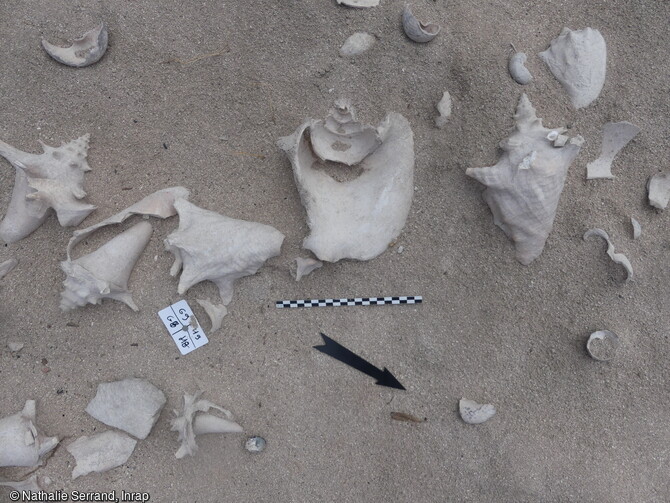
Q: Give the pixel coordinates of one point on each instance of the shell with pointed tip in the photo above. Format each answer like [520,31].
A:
[578,60]
[104,273]
[524,187]
[361,4]
[358,218]
[53,179]
[658,188]
[22,444]
[212,247]
[475,413]
[518,70]
[416,30]
[83,51]
[616,136]
[100,452]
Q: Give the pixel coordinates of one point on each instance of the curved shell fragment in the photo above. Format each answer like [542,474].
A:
[658,188]
[83,51]
[216,313]
[637,228]
[305,266]
[475,413]
[416,30]
[517,68]
[617,258]
[602,345]
[444,109]
[361,4]
[616,136]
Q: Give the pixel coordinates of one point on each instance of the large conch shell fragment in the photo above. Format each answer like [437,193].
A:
[524,187]
[358,218]
[53,179]
[193,420]
[578,60]
[211,247]
[21,442]
[658,188]
[361,4]
[416,30]
[104,273]
[616,136]
[100,452]
[83,51]
[617,258]
[132,405]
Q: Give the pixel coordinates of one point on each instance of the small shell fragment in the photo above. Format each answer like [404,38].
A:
[416,30]
[616,136]
[602,345]
[637,228]
[475,413]
[357,44]
[361,4]
[255,444]
[216,313]
[83,51]
[15,347]
[517,69]
[305,266]
[444,107]
[658,188]
[617,258]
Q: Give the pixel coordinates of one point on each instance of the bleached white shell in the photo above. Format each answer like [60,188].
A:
[517,69]
[658,189]
[416,30]
[188,423]
[216,313]
[637,228]
[100,452]
[212,247]
[362,4]
[29,484]
[357,44]
[444,108]
[602,345]
[305,266]
[524,187]
[83,51]
[358,218]
[578,60]
[53,179]
[7,266]
[21,442]
[475,413]
[617,258]
[132,405]
[616,136]
[104,273]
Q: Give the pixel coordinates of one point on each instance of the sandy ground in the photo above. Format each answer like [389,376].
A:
[568,429]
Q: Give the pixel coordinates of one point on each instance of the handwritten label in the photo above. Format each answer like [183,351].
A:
[183,327]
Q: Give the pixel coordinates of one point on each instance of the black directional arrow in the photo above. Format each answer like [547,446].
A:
[339,352]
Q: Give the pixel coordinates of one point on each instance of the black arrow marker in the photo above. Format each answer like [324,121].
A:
[339,352]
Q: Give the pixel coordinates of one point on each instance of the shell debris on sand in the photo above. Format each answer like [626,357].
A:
[357,44]
[658,188]
[84,51]
[255,444]
[517,69]
[416,30]
[602,345]
[475,413]
[616,136]
[444,109]
[617,258]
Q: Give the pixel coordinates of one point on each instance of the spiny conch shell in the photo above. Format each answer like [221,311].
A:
[658,188]
[53,179]
[617,258]
[444,107]
[517,69]
[188,423]
[30,484]
[616,136]
[84,51]
[637,228]
[216,313]
[22,444]
[416,30]
[160,204]
[475,413]
[358,218]
[7,266]
[524,187]
[305,266]
[578,60]
[104,273]
[212,247]
[357,44]
[100,452]
[602,345]
[132,405]
[361,4]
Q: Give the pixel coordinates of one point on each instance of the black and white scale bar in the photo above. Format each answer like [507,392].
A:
[357,301]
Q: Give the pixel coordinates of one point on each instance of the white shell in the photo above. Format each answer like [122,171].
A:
[416,30]
[53,179]
[212,247]
[362,4]
[357,44]
[216,313]
[517,69]
[602,345]
[188,424]
[83,51]
[658,188]
[444,108]
[578,60]
[616,136]
[475,413]
[637,228]
[22,443]
[29,484]
[104,273]
[305,266]
[132,405]
[15,347]
[7,266]
[358,218]
[617,258]
[100,452]
[524,187]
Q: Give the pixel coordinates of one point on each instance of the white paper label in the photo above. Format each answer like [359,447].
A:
[183,327]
